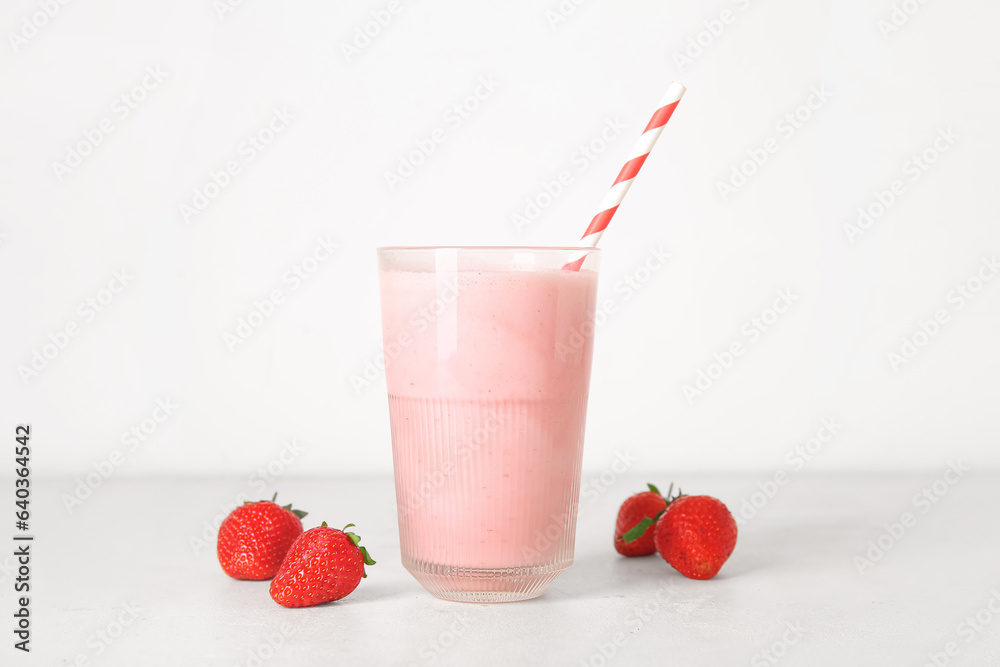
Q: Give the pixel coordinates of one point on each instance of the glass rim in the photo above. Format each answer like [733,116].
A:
[481,248]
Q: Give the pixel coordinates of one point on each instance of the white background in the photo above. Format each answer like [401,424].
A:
[560,79]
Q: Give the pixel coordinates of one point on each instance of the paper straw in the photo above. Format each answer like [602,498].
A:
[614,197]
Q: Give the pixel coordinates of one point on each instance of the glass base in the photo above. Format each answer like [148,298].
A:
[462,584]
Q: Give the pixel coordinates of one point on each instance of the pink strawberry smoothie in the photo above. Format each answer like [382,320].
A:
[488,374]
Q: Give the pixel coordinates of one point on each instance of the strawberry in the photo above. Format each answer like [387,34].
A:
[642,506]
[324,564]
[696,535]
[255,537]
[635,517]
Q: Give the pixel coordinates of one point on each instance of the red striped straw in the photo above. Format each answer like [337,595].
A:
[636,158]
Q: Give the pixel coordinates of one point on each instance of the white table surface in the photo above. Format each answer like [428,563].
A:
[130,544]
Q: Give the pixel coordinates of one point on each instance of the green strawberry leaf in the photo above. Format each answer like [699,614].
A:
[356,539]
[299,513]
[639,529]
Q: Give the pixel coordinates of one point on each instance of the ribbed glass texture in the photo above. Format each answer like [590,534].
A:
[488,357]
